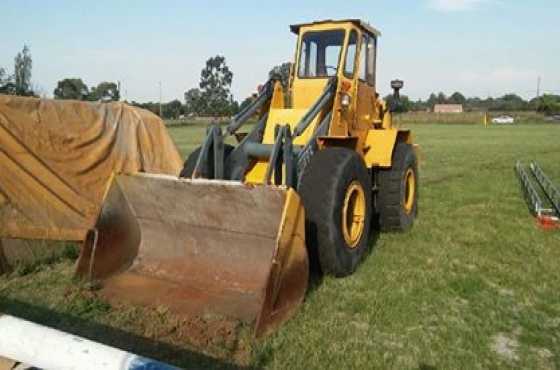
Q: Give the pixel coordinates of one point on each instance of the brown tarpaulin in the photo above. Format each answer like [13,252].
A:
[56,158]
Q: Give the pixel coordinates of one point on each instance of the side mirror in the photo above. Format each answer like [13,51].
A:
[396,85]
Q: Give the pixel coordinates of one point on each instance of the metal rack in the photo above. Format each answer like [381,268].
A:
[532,196]
[550,191]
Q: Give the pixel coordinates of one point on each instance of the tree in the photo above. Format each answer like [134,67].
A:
[245,103]
[71,88]
[193,101]
[419,105]
[474,104]
[508,102]
[215,83]
[233,107]
[105,91]
[282,72]
[7,85]
[513,102]
[432,100]
[441,98]
[22,72]
[457,98]
[548,104]
[152,107]
[173,109]
[404,105]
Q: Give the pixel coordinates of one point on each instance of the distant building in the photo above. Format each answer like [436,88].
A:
[448,108]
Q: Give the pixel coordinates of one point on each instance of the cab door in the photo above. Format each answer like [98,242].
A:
[365,108]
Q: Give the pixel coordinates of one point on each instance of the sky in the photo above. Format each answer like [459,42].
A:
[478,47]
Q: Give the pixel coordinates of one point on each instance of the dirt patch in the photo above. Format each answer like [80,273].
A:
[212,335]
[505,347]
[506,292]
[223,337]
[360,325]
[544,353]
[544,358]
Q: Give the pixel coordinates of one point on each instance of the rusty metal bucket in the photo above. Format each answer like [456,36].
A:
[200,247]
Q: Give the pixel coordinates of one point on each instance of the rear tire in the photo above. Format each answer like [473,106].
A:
[335,183]
[190,163]
[397,195]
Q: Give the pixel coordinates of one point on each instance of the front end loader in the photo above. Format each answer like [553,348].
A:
[309,182]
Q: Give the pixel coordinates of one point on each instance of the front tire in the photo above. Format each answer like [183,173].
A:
[397,195]
[336,193]
[190,162]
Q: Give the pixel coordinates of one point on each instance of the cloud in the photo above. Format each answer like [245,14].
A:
[455,5]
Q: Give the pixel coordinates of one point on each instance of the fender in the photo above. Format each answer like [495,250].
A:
[379,146]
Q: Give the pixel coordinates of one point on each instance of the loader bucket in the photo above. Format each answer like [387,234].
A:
[200,247]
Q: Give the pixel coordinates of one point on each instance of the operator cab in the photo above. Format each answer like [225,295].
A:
[345,49]
[322,45]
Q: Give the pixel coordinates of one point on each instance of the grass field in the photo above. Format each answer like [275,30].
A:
[521,117]
[474,285]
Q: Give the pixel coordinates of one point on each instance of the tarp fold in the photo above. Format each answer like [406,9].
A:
[56,158]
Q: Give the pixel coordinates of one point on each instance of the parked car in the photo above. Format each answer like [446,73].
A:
[503,120]
[554,118]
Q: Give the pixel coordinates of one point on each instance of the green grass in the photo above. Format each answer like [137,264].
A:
[521,117]
[474,285]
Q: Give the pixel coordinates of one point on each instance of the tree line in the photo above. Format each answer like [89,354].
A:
[19,83]
[76,89]
[546,103]
[213,97]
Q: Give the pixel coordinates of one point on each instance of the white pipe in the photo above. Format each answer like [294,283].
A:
[48,349]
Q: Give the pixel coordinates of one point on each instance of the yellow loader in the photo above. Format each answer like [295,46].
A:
[234,234]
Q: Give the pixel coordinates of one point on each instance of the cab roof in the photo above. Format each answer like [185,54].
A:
[358,22]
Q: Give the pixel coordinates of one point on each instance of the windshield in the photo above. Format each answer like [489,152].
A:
[320,53]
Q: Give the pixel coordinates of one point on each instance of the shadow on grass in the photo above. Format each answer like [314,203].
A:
[316,276]
[426,367]
[113,337]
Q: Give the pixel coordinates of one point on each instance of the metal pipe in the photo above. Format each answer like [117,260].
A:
[303,156]
[288,158]
[326,96]
[218,153]
[240,118]
[47,348]
[275,152]
[263,151]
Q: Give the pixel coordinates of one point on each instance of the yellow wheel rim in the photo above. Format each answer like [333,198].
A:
[354,214]
[410,190]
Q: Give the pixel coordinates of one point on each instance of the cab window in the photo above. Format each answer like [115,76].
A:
[371,60]
[367,60]
[320,53]
[351,55]
[363,58]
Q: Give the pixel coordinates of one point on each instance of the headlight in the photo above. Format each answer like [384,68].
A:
[345,101]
